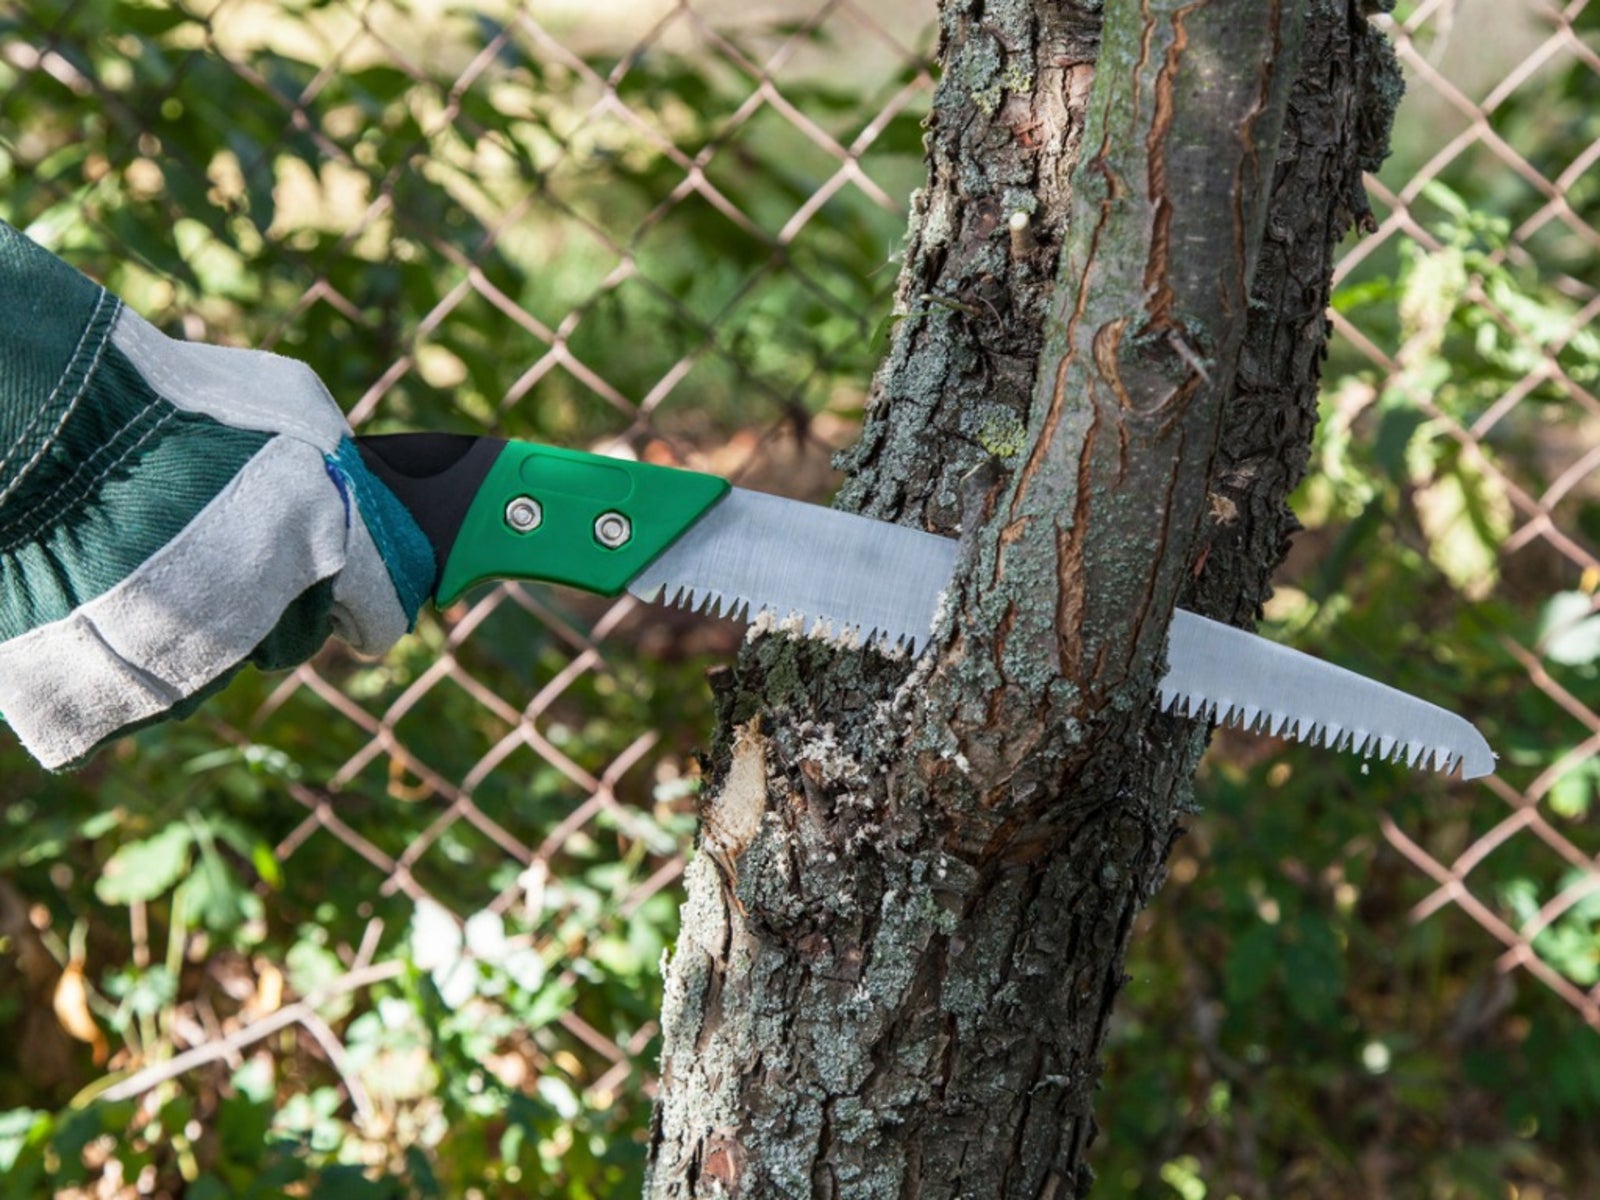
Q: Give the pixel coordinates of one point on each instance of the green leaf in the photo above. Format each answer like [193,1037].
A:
[1572,795]
[1446,198]
[1369,291]
[1467,516]
[1185,1177]
[311,967]
[17,1128]
[1521,898]
[1569,629]
[145,992]
[1434,286]
[145,869]
[547,1007]
[213,892]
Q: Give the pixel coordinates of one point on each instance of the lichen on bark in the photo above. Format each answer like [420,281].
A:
[894,980]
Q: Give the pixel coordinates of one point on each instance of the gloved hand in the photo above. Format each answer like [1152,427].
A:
[168,512]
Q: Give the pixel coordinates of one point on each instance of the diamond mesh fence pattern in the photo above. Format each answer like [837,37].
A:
[1478,126]
[667,230]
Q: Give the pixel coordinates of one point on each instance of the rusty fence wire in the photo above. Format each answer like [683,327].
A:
[1473,127]
[446,142]
[662,230]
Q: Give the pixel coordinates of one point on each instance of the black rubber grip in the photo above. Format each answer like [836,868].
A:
[436,476]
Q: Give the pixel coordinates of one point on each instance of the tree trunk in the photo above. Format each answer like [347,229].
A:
[907,918]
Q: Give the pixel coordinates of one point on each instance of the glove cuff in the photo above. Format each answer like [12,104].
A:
[179,621]
[58,326]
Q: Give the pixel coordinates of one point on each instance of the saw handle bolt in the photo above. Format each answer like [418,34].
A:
[612,530]
[495,509]
[524,514]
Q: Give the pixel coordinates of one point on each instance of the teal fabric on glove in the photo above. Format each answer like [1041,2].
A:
[170,511]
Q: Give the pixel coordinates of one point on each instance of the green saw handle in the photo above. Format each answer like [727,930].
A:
[537,512]
[596,522]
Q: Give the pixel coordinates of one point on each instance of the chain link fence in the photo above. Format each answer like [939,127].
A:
[1551,212]
[667,229]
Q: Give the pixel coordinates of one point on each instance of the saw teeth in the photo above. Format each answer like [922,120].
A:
[731,606]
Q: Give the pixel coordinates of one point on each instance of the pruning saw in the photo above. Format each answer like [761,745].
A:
[497,509]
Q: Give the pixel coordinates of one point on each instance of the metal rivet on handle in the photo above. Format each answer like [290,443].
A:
[612,530]
[524,514]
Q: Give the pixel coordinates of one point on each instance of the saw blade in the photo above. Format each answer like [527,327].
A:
[1231,677]
[850,576]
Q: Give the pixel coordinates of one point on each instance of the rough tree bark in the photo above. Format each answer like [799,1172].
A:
[907,918]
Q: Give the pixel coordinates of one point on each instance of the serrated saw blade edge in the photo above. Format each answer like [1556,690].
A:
[1232,677]
[859,578]
[850,576]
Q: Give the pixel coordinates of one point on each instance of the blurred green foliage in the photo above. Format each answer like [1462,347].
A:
[496,256]
[1288,1029]
[500,256]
